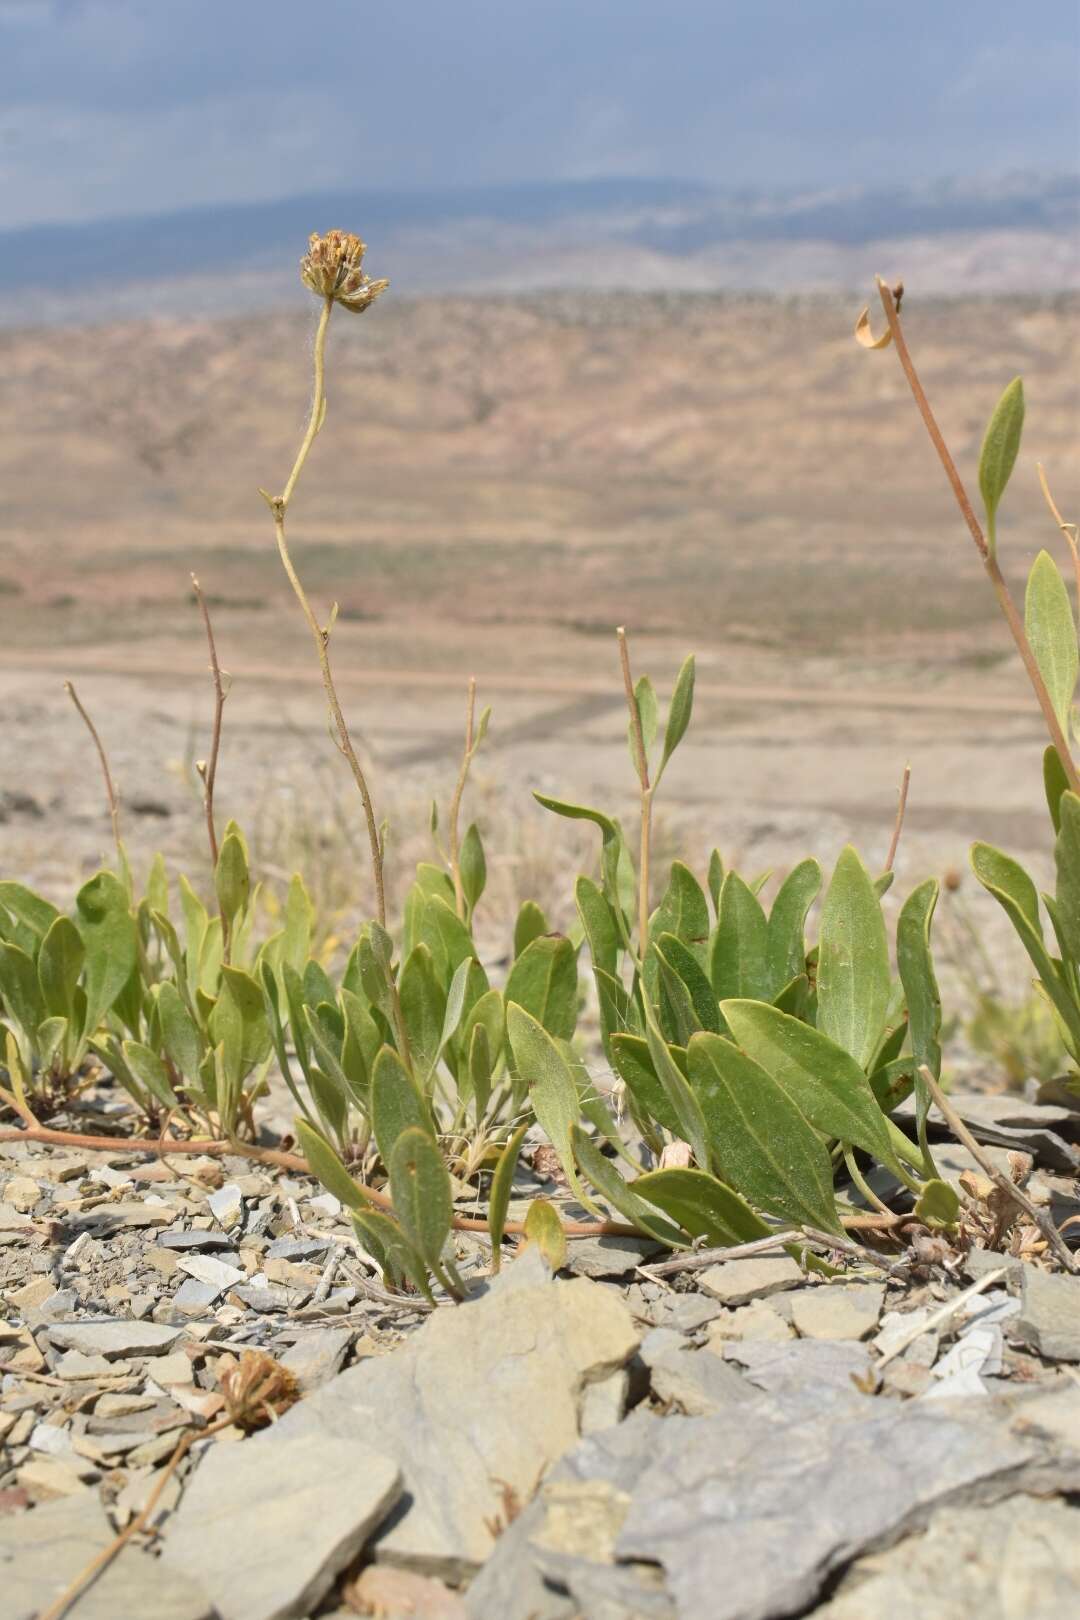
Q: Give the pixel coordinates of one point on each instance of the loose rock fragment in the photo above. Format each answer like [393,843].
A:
[737,1282]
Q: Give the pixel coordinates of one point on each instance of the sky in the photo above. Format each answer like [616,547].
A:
[116,107]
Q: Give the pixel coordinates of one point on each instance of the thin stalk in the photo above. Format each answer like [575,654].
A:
[455,803]
[898,827]
[1067,529]
[278,505]
[110,790]
[989,560]
[207,768]
[641,765]
[862,1184]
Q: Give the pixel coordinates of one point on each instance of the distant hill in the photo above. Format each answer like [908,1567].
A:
[1016,234]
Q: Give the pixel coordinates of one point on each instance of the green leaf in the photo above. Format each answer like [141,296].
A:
[716,879]
[646,705]
[150,1071]
[384,1239]
[108,933]
[614,858]
[1051,630]
[702,1205]
[633,1061]
[916,963]
[420,1189]
[786,944]
[600,924]
[1067,858]
[684,912]
[325,1164]
[853,981]
[243,993]
[737,959]
[232,877]
[551,1085]
[762,1143]
[938,1205]
[396,1103]
[20,991]
[60,961]
[684,1105]
[489,1013]
[423,1008]
[180,1037]
[544,1228]
[823,1081]
[682,706]
[579,812]
[502,1181]
[1015,892]
[531,923]
[999,451]
[619,1193]
[544,981]
[473,867]
[28,909]
[678,960]
[1055,783]
[299,924]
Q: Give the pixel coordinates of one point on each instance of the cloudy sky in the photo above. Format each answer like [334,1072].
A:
[128,106]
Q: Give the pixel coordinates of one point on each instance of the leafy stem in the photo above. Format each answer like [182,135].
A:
[641,765]
[1001,590]
[278,505]
[455,803]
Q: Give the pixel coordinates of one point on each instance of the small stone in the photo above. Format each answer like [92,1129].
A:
[195,1239]
[838,1311]
[737,1282]
[172,1369]
[318,1356]
[22,1194]
[113,1406]
[1049,1318]
[164,1262]
[212,1271]
[32,1294]
[76,1366]
[265,1300]
[608,1256]
[47,1477]
[50,1440]
[286,1248]
[109,1218]
[115,1339]
[193,1298]
[756,1321]
[227,1205]
[325,1204]
[12,1219]
[689,1312]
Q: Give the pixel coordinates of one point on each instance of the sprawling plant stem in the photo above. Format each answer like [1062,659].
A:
[279,505]
[1001,590]
[641,765]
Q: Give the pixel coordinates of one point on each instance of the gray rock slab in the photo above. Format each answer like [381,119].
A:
[608,1256]
[696,1382]
[318,1355]
[43,1550]
[479,1401]
[211,1270]
[287,1248]
[1016,1560]
[266,1525]
[511,1584]
[737,1282]
[824,1370]
[195,1239]
[115,1339]
[758,1507]
[1049,1318]
[837,1310]
[194,1297]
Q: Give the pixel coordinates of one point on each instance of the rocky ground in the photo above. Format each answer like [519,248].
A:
[733,1440]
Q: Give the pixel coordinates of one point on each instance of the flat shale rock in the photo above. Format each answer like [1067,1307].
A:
[754,1510]
[1017,1560]
[1049,1318]
[737,1282]
[266,1527]
[474,1408]
[608,1256]
[694,1382]
[837,1311]
[814,1364]
[115,1339]
[43,1550]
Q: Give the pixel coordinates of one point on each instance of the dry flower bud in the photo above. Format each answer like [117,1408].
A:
[333,268]
[257,1389]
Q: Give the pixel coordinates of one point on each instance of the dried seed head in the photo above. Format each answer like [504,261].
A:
[257,1389]
[333,268]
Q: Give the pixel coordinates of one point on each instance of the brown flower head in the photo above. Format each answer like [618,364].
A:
[333,268]
[257,1389]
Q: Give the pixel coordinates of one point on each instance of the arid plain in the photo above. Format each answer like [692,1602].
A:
[499,483]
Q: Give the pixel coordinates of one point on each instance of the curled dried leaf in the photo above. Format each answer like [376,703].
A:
[257,1389]
[865,336]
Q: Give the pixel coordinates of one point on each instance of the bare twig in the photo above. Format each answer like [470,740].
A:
[990,563]
[207,768]
[641,765]
[901,807]
[949,1309]
[110,790]
[455,803]
[105,1557]
[1068,529]
[998,1177]
[278,505]
[699,1259]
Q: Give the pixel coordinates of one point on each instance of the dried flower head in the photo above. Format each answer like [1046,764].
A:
[333,268]
[257,1389]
